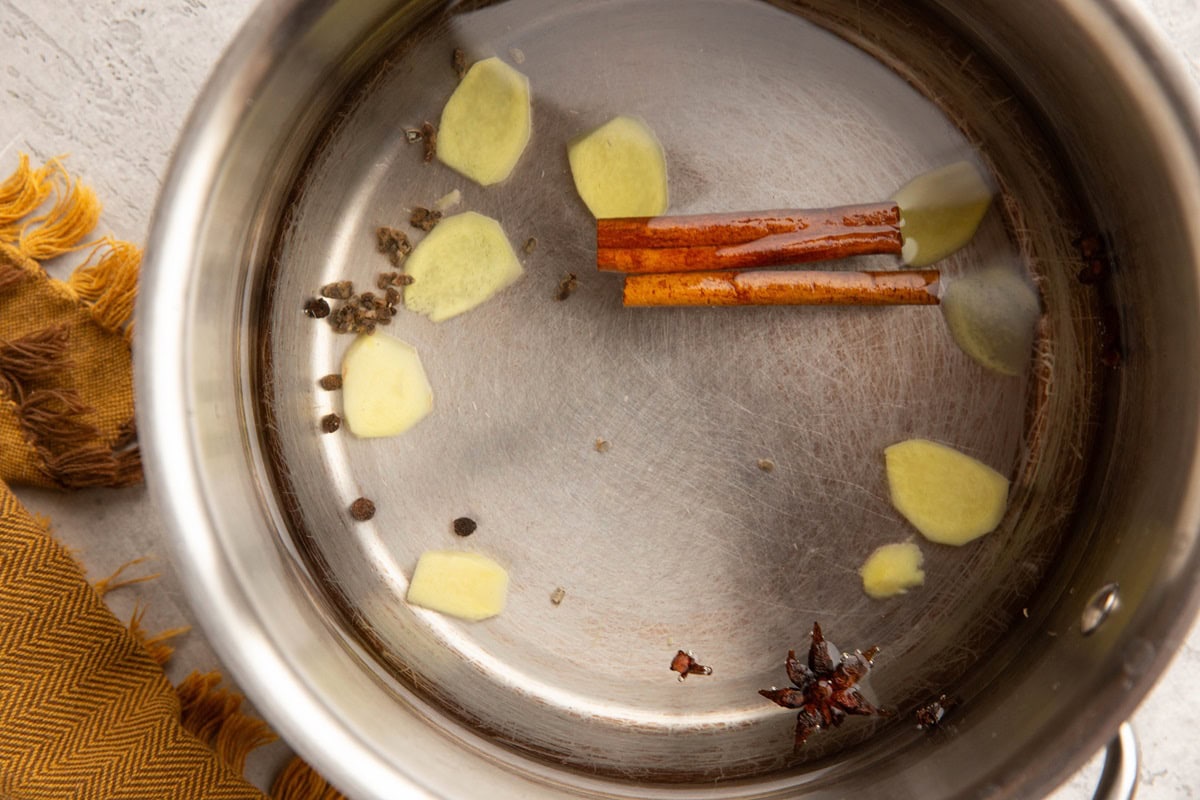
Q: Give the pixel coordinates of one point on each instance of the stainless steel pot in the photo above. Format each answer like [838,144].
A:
[1051,632]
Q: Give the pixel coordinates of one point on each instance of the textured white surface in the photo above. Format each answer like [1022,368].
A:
[111,81]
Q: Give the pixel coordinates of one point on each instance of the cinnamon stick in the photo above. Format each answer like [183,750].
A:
[799,247]
[745,240]
[783,287]
[738,227]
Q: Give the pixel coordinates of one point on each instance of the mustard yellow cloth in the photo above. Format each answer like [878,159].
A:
[86,711]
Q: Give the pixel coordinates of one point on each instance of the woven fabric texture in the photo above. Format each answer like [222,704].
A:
[86,711]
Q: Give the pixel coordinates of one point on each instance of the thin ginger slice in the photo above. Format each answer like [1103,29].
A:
[384,387]
[486,123]
[940,212]
[620,170]
[463,262]
[469,586]
[946,495]
[892,569]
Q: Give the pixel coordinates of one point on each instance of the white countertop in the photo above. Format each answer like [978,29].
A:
[111,81]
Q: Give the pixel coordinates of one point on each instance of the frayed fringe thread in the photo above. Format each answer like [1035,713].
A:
[22,193]
[115,581]
[108,287]
[157,644]
[72,217]
[214,716]
[68,448]
[299,781]
[38,355]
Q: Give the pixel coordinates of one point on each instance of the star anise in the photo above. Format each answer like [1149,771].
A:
[825,688]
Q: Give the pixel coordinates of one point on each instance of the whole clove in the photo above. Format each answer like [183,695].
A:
[567,286]
[685,665]
[930,715]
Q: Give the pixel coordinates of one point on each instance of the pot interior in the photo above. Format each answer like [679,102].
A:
[674,535]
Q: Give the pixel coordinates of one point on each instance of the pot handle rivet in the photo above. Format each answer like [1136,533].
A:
[1104,602]
[1118,779]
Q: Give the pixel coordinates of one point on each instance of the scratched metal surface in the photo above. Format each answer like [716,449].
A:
[110,81]
[674,537]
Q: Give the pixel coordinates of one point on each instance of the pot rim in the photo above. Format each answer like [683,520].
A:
[279,684]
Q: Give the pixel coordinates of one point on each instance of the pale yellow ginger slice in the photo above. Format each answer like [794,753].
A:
[992,314]
[946,495]
[469,586]
[384,388]
[486,122]
[464,261]
[620,170]
[892,569]
[940,212]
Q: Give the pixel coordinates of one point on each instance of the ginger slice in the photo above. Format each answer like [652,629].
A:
[620,170]
[469,586]
[892,569]
[384,388]
[464,261]
[486,122]
[940,212]
[946,495]
[992,314]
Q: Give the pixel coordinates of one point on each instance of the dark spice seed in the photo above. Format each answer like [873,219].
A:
[316,308]
[386,279]
[362,509]
[339,290]
[393,243]
[392,296]
[530,245]
[567,286]
[330,423]
[429,137]
[405,280]
[459,62]
[464,526]
[424,218]
[331,383]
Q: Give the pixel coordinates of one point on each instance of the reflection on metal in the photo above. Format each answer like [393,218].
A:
[1118,780]
[1104,602]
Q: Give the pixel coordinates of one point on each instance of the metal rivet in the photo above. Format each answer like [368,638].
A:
[1104,602]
